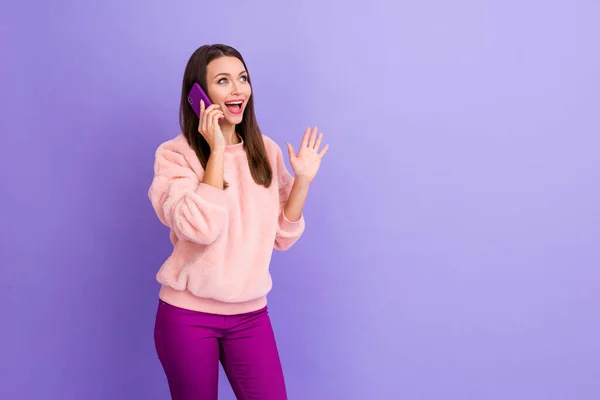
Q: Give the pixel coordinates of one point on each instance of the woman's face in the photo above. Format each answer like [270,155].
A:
[227,85]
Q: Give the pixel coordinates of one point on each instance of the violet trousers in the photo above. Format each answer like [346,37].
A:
[190,345]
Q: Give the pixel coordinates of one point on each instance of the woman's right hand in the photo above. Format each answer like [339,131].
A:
[209,127]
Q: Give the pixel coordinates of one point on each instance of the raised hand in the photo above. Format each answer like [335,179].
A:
[209,127]
[306,163]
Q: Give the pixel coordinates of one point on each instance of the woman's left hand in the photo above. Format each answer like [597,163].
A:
[308,160]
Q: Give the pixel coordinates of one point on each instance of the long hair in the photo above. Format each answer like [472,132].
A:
[248,129]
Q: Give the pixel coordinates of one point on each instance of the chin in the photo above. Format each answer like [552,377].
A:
[234,119]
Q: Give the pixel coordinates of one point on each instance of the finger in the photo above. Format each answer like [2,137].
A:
[208,126]
[201,117]
[210,112]
[318,143]
[291,151]
[210,108]
[207,123]
[219,114]
[202,125]
[311,142]
[215,120]
[322,153]
[210,116]
[305,138]
[206,119]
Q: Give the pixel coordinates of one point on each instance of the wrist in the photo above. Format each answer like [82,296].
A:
[217,152]
[302,181]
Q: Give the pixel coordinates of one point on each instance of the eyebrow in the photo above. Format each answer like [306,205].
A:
[226,74]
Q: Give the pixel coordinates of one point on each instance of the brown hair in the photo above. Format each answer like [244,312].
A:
[248,129]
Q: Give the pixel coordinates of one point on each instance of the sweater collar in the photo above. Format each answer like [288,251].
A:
[235,148]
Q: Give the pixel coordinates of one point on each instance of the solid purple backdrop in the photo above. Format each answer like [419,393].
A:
[451,250]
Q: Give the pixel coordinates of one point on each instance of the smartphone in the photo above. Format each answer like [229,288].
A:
[195,95]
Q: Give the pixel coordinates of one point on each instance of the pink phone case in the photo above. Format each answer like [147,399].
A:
[195,95]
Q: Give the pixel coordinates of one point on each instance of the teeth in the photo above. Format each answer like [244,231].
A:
[234,102]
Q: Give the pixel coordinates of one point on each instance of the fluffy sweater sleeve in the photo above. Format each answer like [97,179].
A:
[288,232]
[193,210]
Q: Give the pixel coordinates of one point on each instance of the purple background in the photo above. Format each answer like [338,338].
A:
[451,250]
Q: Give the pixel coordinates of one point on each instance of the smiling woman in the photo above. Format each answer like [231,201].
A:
[212,302]
[222,73]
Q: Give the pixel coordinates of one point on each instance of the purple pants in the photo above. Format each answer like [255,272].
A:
[190,345]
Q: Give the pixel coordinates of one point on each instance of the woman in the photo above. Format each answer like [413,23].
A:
[222,188]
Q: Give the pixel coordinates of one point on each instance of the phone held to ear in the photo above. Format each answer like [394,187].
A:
[195,95]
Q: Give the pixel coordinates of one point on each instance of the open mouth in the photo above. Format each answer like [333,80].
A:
[234,106]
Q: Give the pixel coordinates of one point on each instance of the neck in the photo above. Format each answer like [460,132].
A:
[229,134]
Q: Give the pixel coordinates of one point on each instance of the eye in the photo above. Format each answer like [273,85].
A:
[244,78]
[222,80]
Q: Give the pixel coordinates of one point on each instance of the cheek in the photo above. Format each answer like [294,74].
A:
[216,94]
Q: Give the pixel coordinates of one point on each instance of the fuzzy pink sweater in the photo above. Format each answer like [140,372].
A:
[222,239]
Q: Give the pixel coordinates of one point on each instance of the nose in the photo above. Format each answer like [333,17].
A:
[234,88]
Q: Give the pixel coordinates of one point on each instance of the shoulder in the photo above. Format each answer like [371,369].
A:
[273,149]
[176,150]
[176,144]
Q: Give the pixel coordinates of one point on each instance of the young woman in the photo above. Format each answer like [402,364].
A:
[223,189]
